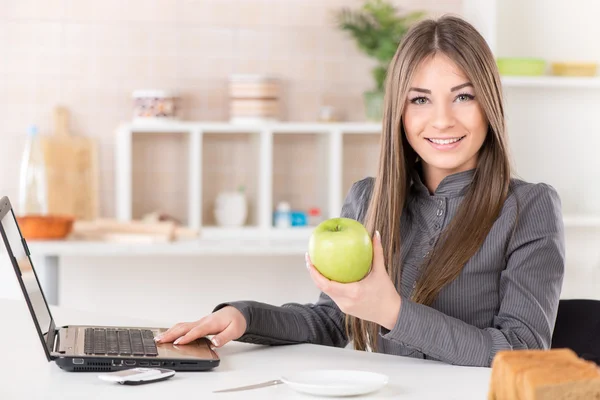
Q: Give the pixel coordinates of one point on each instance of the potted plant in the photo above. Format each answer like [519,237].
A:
[377,28]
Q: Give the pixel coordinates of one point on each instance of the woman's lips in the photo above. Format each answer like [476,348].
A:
[445,144]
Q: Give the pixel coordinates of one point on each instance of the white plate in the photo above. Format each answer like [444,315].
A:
[336,382]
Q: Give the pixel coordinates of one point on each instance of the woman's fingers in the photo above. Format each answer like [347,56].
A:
[207,326]
[174,332]
[327,286]
[378,258]
[319,280]
[232,332]
[227,324]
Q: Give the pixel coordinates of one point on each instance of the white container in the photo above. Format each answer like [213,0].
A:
[231,209]
[155,105]
[33,196]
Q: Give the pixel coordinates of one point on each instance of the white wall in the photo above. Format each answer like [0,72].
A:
[551,29]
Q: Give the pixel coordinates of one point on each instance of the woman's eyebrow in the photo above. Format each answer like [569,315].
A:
[416,89]
[455,88]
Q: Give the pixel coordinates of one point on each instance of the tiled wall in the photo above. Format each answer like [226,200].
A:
[90,55]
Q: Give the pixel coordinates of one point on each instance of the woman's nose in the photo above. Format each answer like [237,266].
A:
[443,117]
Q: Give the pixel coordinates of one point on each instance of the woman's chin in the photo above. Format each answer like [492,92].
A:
[450,163]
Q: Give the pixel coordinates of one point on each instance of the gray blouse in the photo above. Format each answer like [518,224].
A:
[506,296]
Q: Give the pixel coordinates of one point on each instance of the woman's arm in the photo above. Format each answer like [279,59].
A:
[529,293]
[321,323]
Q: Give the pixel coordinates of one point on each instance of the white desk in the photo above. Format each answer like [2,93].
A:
[27,375]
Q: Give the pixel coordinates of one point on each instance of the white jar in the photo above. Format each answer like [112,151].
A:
[231,209]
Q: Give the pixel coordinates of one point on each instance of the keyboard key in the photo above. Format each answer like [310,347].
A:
[124,342]
[137,345]
[112,346]
[147,334]
[151,351]
[88,341]
[99,341]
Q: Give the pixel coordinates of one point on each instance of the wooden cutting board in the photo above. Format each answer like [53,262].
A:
[71,170]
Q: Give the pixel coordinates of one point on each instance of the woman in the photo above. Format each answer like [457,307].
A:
[467,260]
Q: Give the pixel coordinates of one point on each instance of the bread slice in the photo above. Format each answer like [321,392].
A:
[556,374]
[579,380]
[508,366]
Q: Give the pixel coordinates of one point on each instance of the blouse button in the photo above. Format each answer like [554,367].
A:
[439,212]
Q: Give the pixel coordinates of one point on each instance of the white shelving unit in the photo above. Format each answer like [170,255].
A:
[329,137]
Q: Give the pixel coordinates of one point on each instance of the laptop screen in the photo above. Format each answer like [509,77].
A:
[40,310]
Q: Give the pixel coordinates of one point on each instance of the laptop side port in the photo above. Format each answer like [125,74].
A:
[78,361]
[117,363]
[144,363]
[155,363]
[129,362]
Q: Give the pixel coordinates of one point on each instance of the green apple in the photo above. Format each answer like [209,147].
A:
[341,249]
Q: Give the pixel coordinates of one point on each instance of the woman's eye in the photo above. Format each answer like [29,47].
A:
[464,97]
[419,100]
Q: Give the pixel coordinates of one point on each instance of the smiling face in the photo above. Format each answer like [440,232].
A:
[442,118]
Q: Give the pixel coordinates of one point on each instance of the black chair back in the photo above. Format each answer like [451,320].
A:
[578,328]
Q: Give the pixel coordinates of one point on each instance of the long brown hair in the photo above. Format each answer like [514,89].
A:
[459,41]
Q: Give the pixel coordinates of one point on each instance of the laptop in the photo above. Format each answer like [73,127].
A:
[91,348]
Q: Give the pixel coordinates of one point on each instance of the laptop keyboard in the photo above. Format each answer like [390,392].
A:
[124,342]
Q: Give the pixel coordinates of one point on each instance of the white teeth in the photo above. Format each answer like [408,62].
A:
[445,141]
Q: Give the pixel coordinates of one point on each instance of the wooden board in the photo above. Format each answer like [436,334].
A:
[111,230]
[71,170]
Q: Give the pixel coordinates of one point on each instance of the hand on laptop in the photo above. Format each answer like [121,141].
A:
[227,324]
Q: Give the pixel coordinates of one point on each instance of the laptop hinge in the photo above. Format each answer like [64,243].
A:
[51,339]
[57,340]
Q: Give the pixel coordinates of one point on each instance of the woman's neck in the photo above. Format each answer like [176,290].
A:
[433,176]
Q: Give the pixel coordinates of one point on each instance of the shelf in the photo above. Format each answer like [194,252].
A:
[232,247]
[159,175]
[226,127]
[224,242]
[300,173]
[551,82]
[285,161]
[228,162]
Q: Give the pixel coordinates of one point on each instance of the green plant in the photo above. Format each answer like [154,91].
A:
[377,28]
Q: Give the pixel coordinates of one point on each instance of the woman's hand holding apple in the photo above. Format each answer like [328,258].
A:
[374,298]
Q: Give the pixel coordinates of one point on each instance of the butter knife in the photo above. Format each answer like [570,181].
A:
[249,387]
